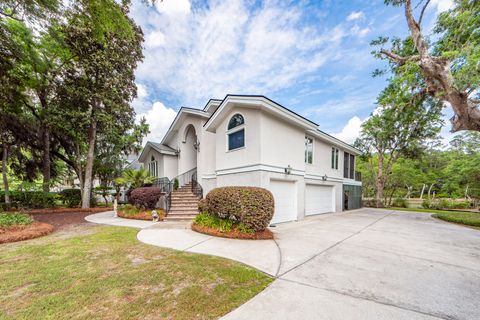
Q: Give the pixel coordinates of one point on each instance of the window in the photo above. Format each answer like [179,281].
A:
[335,153]
[348,165]
[236,132]
[308,150]
[153,167]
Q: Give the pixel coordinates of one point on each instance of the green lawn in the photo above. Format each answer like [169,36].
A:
[109,274]
[462,217]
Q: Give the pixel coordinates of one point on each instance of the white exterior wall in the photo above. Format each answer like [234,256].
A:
[187,159]
[159,157]
[170,166]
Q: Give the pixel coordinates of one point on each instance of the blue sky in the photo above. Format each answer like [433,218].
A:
[310,56]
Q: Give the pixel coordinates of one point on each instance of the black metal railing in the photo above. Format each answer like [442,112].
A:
[186,177]
[196,187]
[164,184]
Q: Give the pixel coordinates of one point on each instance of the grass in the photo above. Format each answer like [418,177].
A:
[8,219]
[462,217]
[129,209]
[108,274]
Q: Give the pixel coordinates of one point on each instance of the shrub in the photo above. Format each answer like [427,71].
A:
[400,202]
[71,197]
[175,184]
[426,204]
[250,205]
[32,199]
[202,205]
[8,219]
[145,197]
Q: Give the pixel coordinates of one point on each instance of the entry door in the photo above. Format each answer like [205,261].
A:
[319,199]
[285,196]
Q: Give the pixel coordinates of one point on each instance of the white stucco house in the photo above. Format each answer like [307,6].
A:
[250,140]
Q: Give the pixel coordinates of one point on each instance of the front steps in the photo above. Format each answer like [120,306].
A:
[184,205]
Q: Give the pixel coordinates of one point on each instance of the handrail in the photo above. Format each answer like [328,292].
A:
[196,187]
[185,178]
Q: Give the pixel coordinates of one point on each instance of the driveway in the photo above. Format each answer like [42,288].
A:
[362,264]
[372,264]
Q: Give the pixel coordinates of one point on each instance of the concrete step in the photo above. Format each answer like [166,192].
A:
[186,197]
[183,208]
[181,218]
[183,212]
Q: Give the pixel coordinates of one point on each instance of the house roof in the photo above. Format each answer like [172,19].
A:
[177,122]
[163,149]
[274,108]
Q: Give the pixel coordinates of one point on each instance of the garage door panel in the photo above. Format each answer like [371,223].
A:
[284,194]
[319,199]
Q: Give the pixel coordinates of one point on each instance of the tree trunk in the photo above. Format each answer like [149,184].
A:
[423,190]
[379,183]
[87,182]
[4,175]
[46,161]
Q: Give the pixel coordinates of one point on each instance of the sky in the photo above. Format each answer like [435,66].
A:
[312,57]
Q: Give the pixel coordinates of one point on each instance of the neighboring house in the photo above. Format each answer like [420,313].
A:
[249,140]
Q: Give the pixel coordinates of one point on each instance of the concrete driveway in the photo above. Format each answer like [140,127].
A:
[362,264]
[372,264]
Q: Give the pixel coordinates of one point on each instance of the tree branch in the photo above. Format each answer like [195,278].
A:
[422,13]
[398,58]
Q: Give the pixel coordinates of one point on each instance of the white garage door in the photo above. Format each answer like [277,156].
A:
[285,195]
[318,199]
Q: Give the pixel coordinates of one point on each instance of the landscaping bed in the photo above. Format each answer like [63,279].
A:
[233,234]
[69,210]
[133,212]
[467,218]
[16,226]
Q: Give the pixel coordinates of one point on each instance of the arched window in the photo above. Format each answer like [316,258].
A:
[235,121]
[153,167]
[236,132]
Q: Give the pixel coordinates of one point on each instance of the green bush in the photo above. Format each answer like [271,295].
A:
[31,199]
[250,205]
[175,184]
[224,225]
[8,219]
[400,203]
[71,197]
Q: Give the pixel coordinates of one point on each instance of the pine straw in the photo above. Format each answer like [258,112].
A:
[68,210]
[142,215]
[233,234]
[24,232]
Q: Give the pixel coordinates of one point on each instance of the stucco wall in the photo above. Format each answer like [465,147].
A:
[248,155]
[170,166]
[187,159]
[158,156]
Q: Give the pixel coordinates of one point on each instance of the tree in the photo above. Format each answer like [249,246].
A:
[134,178]
[401,126]
[448,66]
[107,46]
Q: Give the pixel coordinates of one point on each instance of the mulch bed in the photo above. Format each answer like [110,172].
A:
[234,234]
[68,210]
[25,232]
[144,215]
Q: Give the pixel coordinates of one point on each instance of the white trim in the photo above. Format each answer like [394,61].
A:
[182,110]
[317,177]
[259,167]
[228,132]
[350,182]
[335,142]
[209,176]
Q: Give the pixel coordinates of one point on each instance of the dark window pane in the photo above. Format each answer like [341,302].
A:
[352,166]
[236,139]
[346,157]
[336,158]
[235,121]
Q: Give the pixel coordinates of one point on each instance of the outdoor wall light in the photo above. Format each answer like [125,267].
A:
[288,170]
[324,178]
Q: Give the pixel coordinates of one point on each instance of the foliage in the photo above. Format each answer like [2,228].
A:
[250,205]
[71,197]
[135,178]
[400,202]
[202,205]
[129,209]
[32,199]
[145,198]
[466,218]
[224,225]
[442,65]
[175,184]
[8,219]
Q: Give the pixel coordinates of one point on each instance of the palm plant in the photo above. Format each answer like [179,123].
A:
[134,178]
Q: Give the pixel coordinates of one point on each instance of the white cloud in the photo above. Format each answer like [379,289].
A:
[355,15]
[441,5]
[350,131]
[359,32]
[141,91]
[159,117]
[228,47]
[173,7]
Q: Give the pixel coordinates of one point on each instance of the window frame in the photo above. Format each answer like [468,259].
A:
[306,150]
[153,166]
[349,165]
[335,153]
[228,132]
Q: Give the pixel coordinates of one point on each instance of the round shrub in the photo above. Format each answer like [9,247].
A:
[202,205]
[250,205]
[145,197]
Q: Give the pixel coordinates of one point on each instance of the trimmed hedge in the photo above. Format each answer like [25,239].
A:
[145,197]
[71,197]
[202,205]
[250,205]
[31,199]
